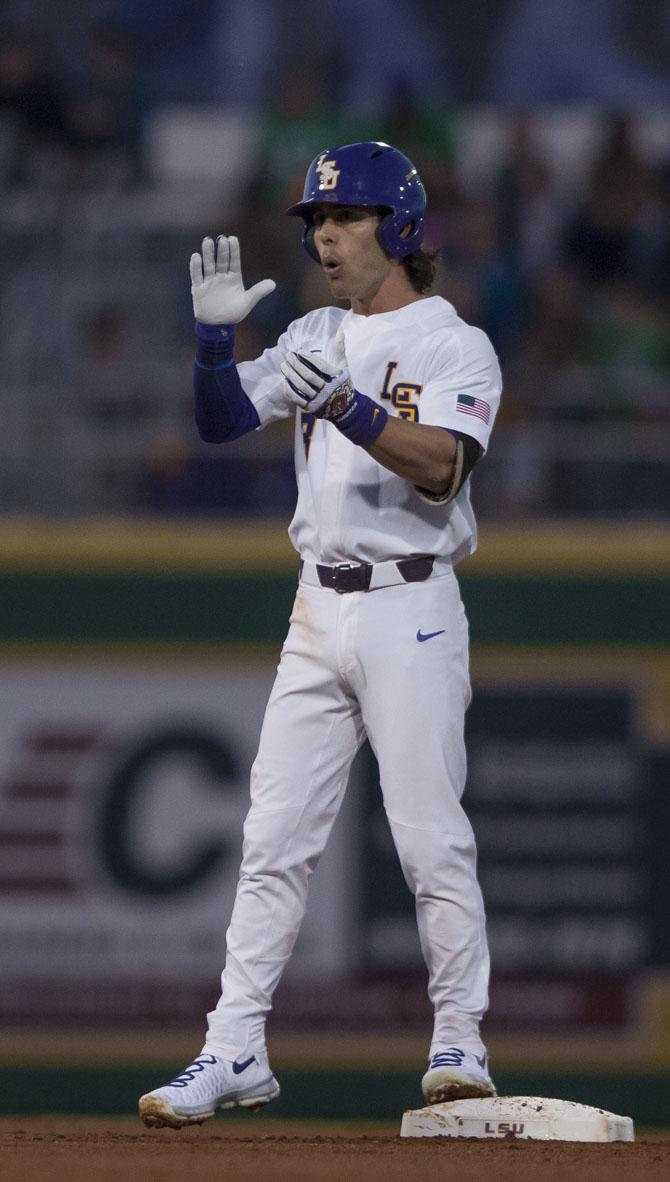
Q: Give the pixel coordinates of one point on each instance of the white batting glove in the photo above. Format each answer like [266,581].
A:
[311,382]
[216,283]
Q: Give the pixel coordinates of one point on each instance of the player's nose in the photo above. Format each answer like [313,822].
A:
[326,232]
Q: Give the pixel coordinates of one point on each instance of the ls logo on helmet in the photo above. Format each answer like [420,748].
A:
[328,172]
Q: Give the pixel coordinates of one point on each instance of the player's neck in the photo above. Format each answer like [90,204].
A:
[395,292]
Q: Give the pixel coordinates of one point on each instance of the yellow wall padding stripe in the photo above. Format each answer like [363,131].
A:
[602,549]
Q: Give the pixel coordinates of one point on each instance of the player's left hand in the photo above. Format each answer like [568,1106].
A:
[216,283]
[316,385]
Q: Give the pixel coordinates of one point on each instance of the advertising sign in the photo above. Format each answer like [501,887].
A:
[569,805]
[123,791]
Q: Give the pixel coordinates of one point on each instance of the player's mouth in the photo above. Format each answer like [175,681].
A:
[331,266]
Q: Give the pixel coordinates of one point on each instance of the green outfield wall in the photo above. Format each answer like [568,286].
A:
[329,1095]
[187,583]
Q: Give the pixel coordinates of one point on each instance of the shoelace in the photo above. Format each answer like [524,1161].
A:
[191,1071]
[453,1057]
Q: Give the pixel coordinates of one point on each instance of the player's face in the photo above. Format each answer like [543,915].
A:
[352,259]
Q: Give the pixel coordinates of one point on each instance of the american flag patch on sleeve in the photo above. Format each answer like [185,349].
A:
[469,405]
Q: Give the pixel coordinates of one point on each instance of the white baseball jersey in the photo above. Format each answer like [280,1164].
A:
[421,362]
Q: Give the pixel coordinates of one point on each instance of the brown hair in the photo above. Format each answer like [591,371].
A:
[421,269]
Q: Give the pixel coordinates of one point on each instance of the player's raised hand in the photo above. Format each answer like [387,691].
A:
[216,283]
[313,383]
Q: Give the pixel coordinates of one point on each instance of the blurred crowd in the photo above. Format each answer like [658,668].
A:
[553,230]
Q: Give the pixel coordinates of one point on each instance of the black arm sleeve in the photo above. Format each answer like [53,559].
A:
[468,451]
[472,450]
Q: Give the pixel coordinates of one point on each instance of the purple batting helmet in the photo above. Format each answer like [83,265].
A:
[367,174]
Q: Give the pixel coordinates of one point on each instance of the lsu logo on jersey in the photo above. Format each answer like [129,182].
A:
[328,172]
[401,394]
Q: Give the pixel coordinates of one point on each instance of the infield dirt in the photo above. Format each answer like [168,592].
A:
[102,1150]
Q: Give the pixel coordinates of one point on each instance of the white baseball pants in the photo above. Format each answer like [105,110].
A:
[352,666]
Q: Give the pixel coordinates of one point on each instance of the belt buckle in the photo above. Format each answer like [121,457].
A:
[354,576]
[341,567]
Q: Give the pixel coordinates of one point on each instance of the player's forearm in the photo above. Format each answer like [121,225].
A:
[421,454]
[223,411]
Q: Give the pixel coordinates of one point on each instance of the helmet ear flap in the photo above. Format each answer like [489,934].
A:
[389,234]
[308,242]
[384,238]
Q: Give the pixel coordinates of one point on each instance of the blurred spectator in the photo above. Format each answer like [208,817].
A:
[176,46]
[478,259]
[628,340]
[299,124]
[31,98]
[104,108]
[599,240]
[531,211]
[113,390]
[29,89]
[122,407]
[209,484]
[576,52]
[361,52]
[651,240]
[235,53]
[382,51]
[552,345]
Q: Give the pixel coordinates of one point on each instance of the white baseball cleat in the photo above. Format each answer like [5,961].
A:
[207,1084]
[454,1074]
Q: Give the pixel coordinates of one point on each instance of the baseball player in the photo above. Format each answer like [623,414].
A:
[394,400]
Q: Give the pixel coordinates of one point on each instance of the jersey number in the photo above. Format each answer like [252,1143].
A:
[401,394]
